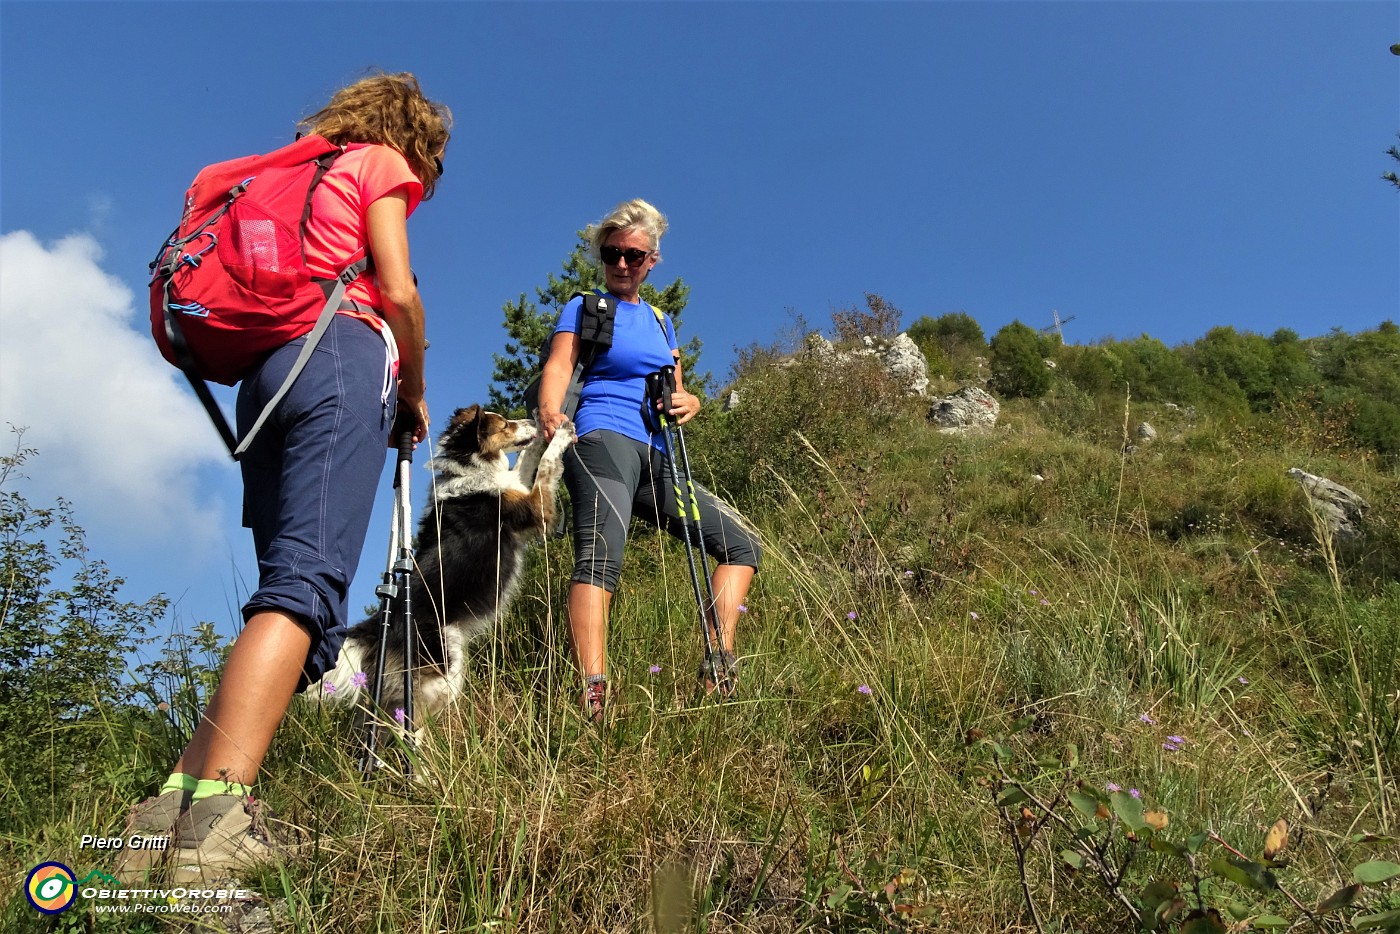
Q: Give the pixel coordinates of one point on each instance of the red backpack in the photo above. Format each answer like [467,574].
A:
[231,285]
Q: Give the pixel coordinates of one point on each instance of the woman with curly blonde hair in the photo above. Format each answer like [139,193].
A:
[310,476]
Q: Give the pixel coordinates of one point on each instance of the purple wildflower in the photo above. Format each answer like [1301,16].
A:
[974,615]
[1243,679]
[1147,719]
[1114,786]
[1034,592]
[851,615]
[1044,602]
[864,689]
[1134,792]
[359,679]
[743,609]
[329,688]
[1171,747]
[399,715]
[1177,740]
[655,669]
[908,573]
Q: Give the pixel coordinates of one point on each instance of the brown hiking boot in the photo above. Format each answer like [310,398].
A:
[219,837]
[151,825]
[719,672]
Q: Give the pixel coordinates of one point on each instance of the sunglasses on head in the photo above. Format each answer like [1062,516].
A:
[611,254]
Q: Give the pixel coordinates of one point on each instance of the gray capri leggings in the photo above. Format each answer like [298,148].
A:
[612,477]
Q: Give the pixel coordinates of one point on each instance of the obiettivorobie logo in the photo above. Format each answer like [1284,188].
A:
[53,887]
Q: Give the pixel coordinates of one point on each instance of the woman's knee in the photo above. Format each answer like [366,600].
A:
[604,574]
[745,551]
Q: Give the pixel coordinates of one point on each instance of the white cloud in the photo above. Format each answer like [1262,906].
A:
[117,435]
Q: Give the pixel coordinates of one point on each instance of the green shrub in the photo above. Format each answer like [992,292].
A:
[1018,357]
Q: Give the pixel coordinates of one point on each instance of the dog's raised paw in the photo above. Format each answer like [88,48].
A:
[565,435]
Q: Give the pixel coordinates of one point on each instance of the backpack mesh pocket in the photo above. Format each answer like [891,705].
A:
[260,253]
[257,238]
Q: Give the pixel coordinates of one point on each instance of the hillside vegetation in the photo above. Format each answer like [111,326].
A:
[1023,681]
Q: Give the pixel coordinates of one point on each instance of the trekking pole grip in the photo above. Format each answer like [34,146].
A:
[654,387]
[404,426]
[666,384]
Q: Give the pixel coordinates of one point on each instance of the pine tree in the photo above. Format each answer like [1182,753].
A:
[529,324]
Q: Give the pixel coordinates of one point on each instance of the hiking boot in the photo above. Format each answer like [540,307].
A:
[595,699]
[218,837]
[725,680]
[152,823]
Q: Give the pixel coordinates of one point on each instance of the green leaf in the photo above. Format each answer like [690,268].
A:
[1128,809]
[1072,859]
[1375,872]
[1387,919]
[1159,845]
[1339,899]
[1158,893]
[1023,724]
[1071,758]
[1206,924]
[1239,910]
[1087,805]
[1003,753]
[1371,838]
[1271,921]
[1244,872]
[1011,797]
[1196,841]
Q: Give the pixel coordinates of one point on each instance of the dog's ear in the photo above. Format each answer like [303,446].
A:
[463,417]
[459,438]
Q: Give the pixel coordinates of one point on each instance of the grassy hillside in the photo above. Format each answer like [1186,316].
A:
[1021,681]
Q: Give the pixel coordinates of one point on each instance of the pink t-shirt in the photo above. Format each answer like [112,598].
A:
[338,232]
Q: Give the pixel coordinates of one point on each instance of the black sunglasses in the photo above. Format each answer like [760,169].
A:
[611,254]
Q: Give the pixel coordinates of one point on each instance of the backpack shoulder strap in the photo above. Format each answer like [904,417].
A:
[660,317]
[595,330]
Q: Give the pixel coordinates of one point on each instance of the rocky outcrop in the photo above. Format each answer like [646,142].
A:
[900,357]
[906,364]
[968,409]
[1340,509]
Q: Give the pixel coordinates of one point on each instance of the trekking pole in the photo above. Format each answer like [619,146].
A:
[659,388]
[668,373]
[395,600]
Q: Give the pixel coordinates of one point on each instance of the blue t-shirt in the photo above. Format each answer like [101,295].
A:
[614,387]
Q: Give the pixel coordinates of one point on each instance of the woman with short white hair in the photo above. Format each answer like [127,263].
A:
[618,467]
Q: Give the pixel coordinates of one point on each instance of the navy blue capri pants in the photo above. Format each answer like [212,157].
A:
[611,478]
[310,475]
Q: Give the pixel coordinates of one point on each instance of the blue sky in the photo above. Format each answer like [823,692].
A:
[1155,168]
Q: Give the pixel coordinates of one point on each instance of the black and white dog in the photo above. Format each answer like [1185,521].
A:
[468,554]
